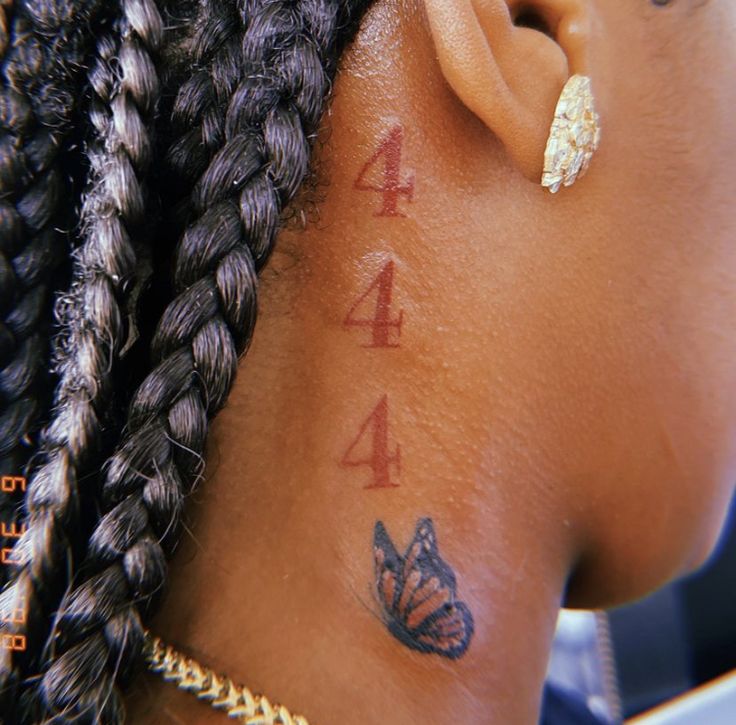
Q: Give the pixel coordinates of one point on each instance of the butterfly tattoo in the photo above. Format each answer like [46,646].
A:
[417,594]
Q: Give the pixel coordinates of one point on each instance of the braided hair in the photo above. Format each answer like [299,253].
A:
[37,113]
[218,162]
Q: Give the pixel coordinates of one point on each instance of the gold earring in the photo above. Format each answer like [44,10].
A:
[574,135]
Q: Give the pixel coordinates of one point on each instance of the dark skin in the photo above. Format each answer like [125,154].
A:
[563,392]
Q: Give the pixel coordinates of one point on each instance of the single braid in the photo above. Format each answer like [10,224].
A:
[262,74]
[40,62]
[6,7]
[95,326]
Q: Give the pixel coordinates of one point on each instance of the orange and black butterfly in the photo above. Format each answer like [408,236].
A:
[417,594]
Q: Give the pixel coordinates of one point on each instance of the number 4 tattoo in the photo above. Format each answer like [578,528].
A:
[380,459]
[384,330]
[417,594]
[392,188]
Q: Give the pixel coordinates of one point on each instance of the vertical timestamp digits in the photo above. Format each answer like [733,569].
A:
[17,615]
[14,642]
[10,484]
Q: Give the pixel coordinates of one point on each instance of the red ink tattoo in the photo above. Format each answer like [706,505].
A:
[381,323]
[380,459]
[391,188]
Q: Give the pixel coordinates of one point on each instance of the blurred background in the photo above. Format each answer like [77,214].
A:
[668,659]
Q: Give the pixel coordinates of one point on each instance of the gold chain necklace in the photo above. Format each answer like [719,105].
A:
[237,701]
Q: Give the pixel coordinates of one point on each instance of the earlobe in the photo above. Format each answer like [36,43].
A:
[511,76]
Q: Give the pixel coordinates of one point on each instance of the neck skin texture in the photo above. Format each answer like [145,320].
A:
[274,584]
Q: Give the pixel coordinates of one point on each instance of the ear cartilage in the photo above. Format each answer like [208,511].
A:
[574,135]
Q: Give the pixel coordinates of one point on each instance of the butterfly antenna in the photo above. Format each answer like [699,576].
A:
[365,606]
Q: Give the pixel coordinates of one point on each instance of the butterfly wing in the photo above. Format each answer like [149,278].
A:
[418,594]
[447,631]
[388,568]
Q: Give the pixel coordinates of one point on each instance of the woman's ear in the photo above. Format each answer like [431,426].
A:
[508,60]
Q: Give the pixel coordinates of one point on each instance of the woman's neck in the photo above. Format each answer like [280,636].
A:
[380,386]
[323,437]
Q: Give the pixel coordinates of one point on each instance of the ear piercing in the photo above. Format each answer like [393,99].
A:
[574,135]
